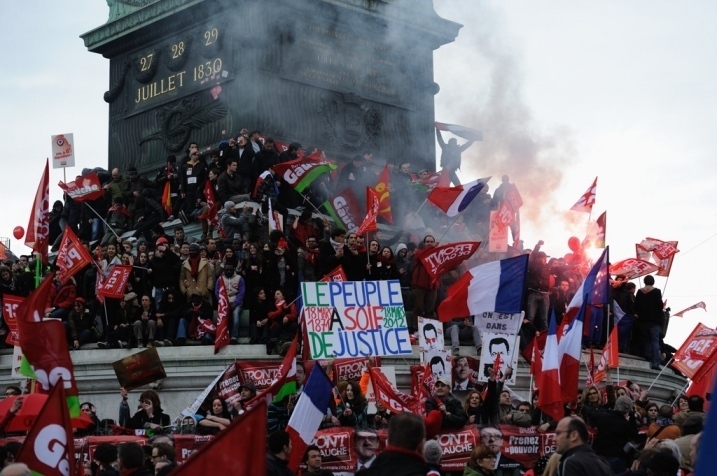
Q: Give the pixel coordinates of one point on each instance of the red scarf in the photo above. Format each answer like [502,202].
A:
[194,266]
[121,209]
[311,255]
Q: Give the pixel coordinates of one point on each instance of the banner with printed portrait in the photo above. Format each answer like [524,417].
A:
[501,348]
[355,318]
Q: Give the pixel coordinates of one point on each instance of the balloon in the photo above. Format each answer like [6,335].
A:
[18,232]
[574,243]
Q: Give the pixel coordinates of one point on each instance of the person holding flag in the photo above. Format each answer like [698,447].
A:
[425,290]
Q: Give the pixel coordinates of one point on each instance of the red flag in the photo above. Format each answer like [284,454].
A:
[441,259]
[10,313]
[590,377]
[633,268]
[85,188]
[536,364]
[241,448]
[610,356]
[372,205]
[384,197]
[210,213]
[49,448]
[699,305]
[167,198]
[38,228]
[222,335]
[391,398]
[422,382]
[586,202]
[344,209]
[335,275]
[44,346]
[698,350]
[550,398]
[3,251]
[113,286]
[71,257]
[286,373]
[301,172]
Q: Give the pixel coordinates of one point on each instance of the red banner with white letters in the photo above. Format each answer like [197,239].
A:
[222,335]
[38,228]
[114,285]
[10,306]
[698,350]
[85,188]
[633,268]
[392,398]
[441,259]
[71,257]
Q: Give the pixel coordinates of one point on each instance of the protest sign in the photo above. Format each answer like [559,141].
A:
[440,363]
[139,369]
[499,345]
[16,362]
[699,348]
[497,322]
[351,369]
[465,373]
[10,306]
[63,153]
[498,235]
[355,318]
[430,335]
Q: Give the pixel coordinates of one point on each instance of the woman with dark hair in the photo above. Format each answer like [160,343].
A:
[373,270]
[140,278]
[387,268]
[651,414]
[251,268]
[352,410]
[481,462]
[283,318]
[149,415]
[279,267]
[216,419]
[259,317]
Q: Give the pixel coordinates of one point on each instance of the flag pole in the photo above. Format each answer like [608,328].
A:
[38,266]
[665,288]
[103,221]
[415,213]
[680,394]
[448,229]
[662,370]
[368,258]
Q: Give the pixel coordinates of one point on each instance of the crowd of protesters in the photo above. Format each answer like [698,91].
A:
[171,299]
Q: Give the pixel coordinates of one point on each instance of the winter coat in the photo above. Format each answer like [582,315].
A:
[203,281]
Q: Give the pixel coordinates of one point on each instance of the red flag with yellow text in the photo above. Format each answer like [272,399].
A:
[384,196]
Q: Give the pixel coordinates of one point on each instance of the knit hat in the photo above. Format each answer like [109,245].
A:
[228,204]
[194,246]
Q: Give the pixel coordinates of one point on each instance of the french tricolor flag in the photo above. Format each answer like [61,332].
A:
[550,399]
[496,287]
[308,413]
[454,200]
[596,288]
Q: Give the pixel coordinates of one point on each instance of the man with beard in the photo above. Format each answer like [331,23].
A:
[308,259]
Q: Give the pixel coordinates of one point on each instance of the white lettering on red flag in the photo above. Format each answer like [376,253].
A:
[699,349]
[442,259]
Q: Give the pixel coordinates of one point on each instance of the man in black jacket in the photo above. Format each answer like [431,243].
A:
[454,417]
[277,460]
[164,269]
[403,455]
[579,459]
[615,429]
